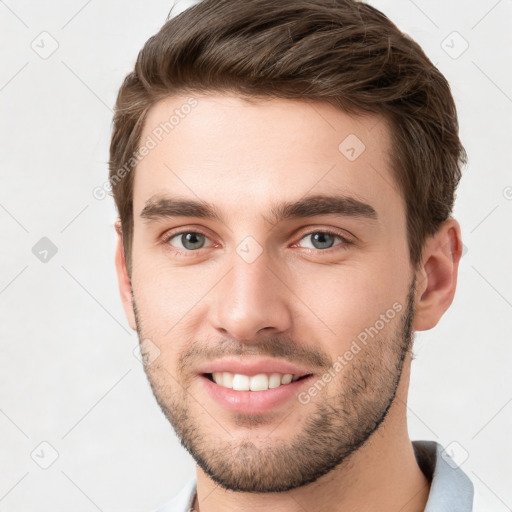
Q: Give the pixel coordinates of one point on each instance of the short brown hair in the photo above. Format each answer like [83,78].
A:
[343,52]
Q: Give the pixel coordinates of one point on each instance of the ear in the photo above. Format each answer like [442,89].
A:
[436,279]
[123,279]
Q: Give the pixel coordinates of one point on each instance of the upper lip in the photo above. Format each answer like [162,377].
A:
[253,366]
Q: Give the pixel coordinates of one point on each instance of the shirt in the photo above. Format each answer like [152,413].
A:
[450,489]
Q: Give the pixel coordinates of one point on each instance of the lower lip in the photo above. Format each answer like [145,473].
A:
[255,402]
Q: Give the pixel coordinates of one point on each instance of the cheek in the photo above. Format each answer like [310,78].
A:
[350,300]
[172,303]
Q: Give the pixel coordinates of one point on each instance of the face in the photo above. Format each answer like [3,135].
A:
[271,283]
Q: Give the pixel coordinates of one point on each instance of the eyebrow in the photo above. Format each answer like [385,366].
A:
[162,207]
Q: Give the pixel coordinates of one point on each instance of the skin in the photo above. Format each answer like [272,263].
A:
[245,157]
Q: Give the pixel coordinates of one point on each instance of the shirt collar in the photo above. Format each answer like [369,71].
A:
[450,488]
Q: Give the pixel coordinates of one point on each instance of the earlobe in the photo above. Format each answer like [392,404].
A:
[436,279]
[123,278]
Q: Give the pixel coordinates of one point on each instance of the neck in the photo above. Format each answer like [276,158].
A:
[382,475]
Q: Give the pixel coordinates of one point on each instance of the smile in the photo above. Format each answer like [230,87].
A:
[259,382]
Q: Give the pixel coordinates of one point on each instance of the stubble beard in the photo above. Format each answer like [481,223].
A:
[336,425]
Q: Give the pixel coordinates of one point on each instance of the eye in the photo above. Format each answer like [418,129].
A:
[191,241]
[323,240]
[187,240]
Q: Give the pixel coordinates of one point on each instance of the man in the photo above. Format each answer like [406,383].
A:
[284,174]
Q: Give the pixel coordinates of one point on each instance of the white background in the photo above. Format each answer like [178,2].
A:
[68,373]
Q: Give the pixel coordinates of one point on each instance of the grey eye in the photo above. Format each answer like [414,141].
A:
[321,239]
[189,240]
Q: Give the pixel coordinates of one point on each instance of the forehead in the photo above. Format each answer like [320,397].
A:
[246,156]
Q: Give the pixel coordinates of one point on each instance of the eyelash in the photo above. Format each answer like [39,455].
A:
[345,242]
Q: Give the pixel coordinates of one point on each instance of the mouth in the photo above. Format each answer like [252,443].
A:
[258,382]
[253,385]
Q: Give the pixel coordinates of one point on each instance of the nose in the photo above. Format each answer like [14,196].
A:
[251,301]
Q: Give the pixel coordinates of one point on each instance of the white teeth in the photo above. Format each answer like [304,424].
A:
[241,382]
[259,382]
[286,379]
[274,381]
[227,380]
